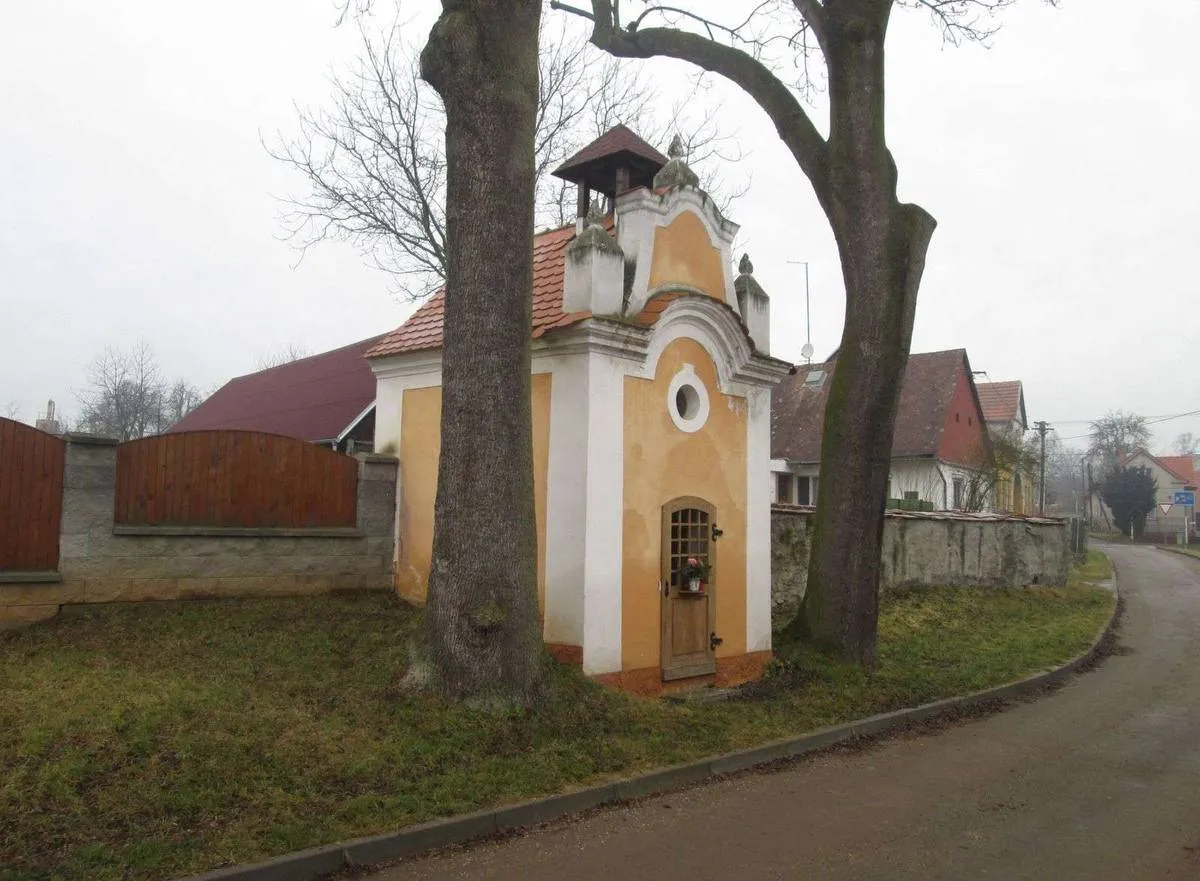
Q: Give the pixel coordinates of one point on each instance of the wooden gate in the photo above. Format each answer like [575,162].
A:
[31,489]
[241,479]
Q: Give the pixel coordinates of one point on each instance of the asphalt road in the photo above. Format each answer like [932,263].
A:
[1098,780]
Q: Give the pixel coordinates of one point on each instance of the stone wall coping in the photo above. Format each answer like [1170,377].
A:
[241,531]
[964,516]
[94,440]
[378,458]
[30,577]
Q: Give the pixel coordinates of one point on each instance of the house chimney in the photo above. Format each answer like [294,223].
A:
[754,305]
[594,274]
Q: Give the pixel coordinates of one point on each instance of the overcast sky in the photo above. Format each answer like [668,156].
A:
[1061,164]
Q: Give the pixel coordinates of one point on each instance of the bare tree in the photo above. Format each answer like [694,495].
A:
[1115,436]
[289,353]
[768,48]
[128,398]
[376,168]
[12,410]
[1185,444]
[482,637]
[1006,458]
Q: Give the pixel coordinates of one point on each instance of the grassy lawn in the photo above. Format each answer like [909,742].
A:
[1095,569]
[154,741]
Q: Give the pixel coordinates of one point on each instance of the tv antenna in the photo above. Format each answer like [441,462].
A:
[806,351]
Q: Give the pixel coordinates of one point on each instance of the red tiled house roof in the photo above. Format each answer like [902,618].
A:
[1001,401]
[930,383]
[423,330]
[313,399]
[1183,467]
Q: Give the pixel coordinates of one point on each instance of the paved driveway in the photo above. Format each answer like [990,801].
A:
[1100,780]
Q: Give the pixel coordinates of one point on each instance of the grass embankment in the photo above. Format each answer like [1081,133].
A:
[1190,550]
[158,740]
[1095,569]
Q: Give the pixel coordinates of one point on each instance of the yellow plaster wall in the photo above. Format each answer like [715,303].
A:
[420,443]
[663,463]
[683,254]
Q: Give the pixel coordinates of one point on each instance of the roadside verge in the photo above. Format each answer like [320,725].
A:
[411,841]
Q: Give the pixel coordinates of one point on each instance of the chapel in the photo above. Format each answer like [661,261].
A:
[651,397]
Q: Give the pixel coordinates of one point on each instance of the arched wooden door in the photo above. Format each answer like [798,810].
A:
[688,625]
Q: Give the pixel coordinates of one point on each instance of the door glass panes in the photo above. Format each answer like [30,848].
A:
[689,538]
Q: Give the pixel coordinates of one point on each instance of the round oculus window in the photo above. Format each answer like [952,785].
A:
[687,400]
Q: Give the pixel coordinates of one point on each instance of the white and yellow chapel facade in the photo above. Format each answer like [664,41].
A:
[651,394]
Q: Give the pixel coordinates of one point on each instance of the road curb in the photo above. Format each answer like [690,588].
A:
[307,865]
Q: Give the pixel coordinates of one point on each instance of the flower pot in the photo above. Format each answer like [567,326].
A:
[694,585]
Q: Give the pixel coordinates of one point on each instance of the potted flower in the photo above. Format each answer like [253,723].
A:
[694,573]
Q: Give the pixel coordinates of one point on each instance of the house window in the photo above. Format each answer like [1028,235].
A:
[783,489]
[958,492]
[804,490]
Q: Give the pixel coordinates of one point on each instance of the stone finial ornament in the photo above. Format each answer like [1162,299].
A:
[745,267]
[676,172]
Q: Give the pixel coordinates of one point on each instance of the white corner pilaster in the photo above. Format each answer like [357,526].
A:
[604,519]
[758,520]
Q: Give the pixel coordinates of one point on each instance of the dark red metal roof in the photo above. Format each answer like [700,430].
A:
[798,407]
[313,399]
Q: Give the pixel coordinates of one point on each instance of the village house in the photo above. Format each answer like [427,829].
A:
[941,453]
[1004,411]
[326,399]
[651,397]
[1172,475]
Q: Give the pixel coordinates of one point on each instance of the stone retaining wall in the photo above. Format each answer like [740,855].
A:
[936,548]
[100,562]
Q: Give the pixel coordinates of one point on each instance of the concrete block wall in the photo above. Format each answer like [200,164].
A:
[929,549]
[101,562]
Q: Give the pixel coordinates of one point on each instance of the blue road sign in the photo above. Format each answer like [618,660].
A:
[1184,497]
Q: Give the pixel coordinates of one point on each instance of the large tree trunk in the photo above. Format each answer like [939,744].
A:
[882,244]
[482,637]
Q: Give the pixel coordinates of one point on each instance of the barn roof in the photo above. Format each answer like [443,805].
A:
[314,398]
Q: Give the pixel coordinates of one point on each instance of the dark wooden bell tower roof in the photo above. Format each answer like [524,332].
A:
[616,161]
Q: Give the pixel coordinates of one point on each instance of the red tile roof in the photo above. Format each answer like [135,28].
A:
[314,399]
[423,330]
[1183,467]
[798,410]
[1001,401]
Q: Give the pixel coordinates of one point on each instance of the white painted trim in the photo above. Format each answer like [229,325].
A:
[686,377]
[566,498]
[758,520]
[605,514]
[354,422]
[709,323]
[640,213]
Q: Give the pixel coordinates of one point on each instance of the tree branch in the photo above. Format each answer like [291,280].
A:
[791,121]
[814,14]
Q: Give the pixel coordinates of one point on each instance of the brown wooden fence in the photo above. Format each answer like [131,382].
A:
[233,479]
[31,491]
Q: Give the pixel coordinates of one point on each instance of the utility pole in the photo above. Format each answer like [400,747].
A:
[1042,428]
